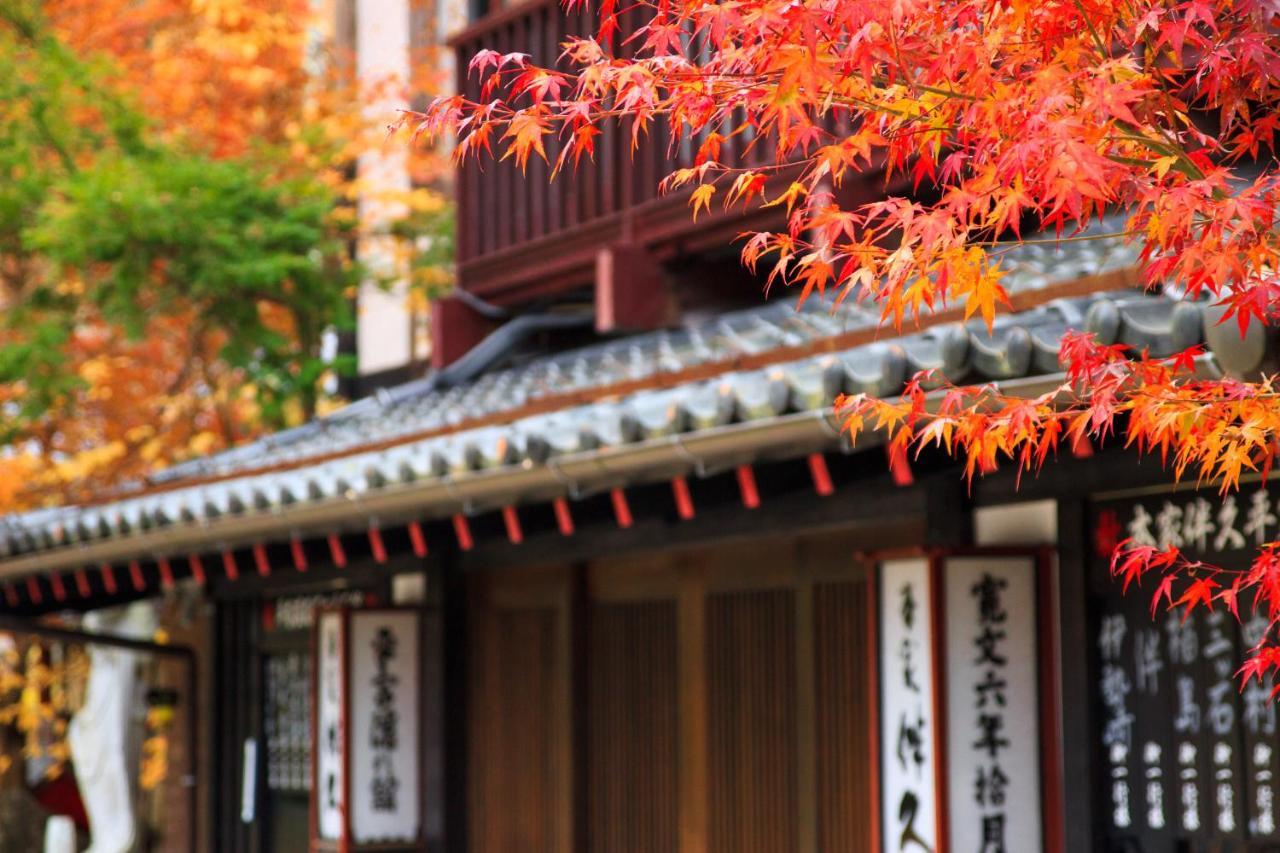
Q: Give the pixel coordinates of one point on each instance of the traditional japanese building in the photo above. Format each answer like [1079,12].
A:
[610,578]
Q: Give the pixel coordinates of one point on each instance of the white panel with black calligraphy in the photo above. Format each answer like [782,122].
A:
[329,782]
[992,708]
[384,701]
[907,735]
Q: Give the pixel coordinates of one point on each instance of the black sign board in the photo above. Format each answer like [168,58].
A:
[1184,761]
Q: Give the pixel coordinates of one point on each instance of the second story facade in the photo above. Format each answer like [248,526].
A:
[602,236]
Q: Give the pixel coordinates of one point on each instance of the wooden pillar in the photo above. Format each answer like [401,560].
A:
[693,712]
[1073,668]
[577,620]
[806,723]
[455,660]
[562,757]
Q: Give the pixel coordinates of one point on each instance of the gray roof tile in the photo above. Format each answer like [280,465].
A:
[1019,345]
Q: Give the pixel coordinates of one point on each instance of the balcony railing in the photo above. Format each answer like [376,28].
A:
[521,235]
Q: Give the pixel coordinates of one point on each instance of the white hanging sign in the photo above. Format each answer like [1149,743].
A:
[384,698]
[249,781]
[328,788]
[993,722]
[908,735]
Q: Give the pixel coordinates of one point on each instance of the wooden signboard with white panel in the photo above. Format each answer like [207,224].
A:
[965,721]
[367,699]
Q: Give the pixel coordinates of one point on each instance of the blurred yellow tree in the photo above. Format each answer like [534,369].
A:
[149,142]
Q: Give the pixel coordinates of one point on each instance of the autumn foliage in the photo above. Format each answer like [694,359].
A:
[992,122]
[177,209]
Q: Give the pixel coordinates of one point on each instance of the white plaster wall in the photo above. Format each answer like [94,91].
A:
[1030,523]
[409,588]
[384,325]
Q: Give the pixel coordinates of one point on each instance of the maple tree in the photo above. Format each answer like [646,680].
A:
[176,217]
[1151,121]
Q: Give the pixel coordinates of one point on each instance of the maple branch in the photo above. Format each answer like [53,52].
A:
[1093,32]
[1003,246]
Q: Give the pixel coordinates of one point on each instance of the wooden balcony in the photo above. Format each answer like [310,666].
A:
[522,236]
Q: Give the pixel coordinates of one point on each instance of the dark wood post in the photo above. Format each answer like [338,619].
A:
[1073,669]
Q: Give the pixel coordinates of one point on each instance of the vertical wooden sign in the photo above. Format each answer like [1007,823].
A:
[961,724]
[329,784]
[367,766]
[909,801]
[992,704]
[385,700]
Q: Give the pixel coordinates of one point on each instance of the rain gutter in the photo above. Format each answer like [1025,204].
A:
[654,460]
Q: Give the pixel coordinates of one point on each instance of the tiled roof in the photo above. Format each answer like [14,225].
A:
[415,433]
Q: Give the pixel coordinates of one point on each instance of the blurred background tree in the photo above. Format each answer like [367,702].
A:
[176,231]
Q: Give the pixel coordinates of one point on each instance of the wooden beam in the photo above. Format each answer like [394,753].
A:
[455,328]
[631,291]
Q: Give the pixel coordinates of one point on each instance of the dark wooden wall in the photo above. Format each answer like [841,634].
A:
[700,701]
[519,746]
[617,593]
[632,724]
[842,709]
[751,721]
[507,216]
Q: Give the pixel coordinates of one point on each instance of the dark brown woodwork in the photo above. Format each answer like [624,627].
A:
[631,292]
[512,796]
[719,701]
[525,236]
[520,745]
[842,716]
[455,329]
[631,722]
[694,767]
[751,707]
